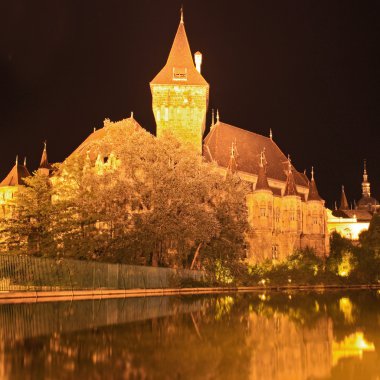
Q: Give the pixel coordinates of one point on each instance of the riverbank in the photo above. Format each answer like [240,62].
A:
[54,296]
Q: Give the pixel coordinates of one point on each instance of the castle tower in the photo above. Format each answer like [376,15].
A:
[291,212]
[315,219]
[180,94]
[367,202]
[260,217]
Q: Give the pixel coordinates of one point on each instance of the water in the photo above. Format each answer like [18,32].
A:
[254,336]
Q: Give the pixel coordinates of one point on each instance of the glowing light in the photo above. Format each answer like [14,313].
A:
[352,345]
[263,297]
[345,306]
[344,268]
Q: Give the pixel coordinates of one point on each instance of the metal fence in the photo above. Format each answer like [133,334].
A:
[25,273]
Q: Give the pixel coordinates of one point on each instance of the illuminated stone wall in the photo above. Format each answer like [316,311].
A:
[181,109]
[280,225]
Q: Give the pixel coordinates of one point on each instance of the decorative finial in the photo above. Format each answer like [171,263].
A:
[45,142]
[270,134]
[365,166]
[132,115]
[182,14]
[262,158]
[312,173]
[94,129]
[342,187]
[16,160]
[217,116]
[212,117]
[25,161]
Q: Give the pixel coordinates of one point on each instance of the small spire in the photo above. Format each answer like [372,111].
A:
[262,180]
[217,116]
[25,161]
[365,166]
[312,173]
[44,163]
[16,160]
[94,129]
[212,117]
[290,186]
[182,14]
[132,115]
[343,201]
[270,134]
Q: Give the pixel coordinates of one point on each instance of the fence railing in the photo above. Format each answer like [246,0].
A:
[25,273]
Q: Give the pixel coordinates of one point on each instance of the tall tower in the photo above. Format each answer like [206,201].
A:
[366,186]
[180,94]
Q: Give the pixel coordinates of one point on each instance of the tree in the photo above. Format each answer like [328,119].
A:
[31,228]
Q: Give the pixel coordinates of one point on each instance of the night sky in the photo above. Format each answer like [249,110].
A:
[307,69]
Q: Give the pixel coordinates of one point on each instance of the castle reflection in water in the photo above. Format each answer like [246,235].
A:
[238,336]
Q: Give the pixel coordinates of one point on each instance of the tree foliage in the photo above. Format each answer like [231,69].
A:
[132,198]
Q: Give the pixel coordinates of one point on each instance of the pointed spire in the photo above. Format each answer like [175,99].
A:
[343,201]
[179,67]
[25,161]
[16,162]
[132,115]
[262,180]
[44,163]
[313,190]
[212,117]
[366,186]
[181,21]
[217,116]
[290,186]
[270,134]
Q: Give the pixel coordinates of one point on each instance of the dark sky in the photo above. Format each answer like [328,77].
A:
[307,69]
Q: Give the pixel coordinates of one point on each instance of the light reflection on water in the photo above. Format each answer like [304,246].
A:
[253,336]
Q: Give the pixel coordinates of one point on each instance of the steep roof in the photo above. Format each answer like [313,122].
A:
[15,176]
[180,58]
[44,163]
[249,145]
[343,201]
[313,191]
[262,180]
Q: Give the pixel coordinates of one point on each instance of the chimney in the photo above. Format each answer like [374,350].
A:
[198,61]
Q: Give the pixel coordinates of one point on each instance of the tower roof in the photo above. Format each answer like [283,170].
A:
[262,180]
[290,186]
[180,68]
[343,201]
[16,175]
[313,191]
[44,163]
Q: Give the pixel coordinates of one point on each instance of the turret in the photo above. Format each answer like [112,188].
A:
[291,204]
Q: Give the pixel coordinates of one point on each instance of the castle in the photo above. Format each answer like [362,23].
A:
[285,210]
[348,221]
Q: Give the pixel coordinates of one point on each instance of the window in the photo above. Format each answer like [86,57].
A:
[263,211]
[180,73]
[275,252]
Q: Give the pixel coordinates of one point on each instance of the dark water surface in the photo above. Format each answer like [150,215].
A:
[295,336]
